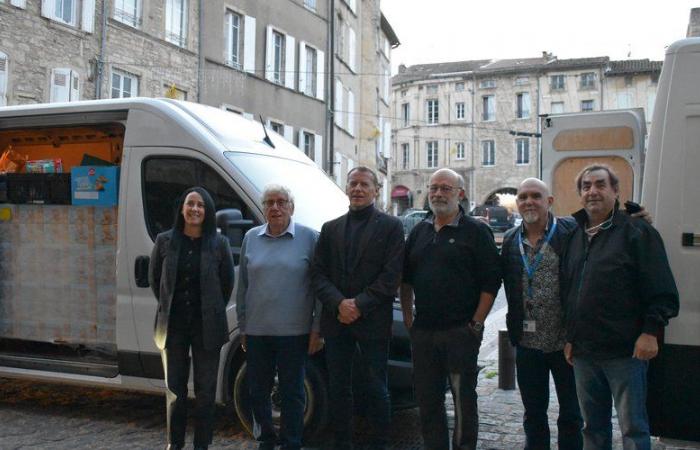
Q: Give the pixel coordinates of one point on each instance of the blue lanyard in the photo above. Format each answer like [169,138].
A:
[531,269]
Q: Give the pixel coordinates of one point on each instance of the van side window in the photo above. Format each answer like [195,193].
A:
[166,178]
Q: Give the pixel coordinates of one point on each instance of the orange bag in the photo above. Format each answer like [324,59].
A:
[11,161]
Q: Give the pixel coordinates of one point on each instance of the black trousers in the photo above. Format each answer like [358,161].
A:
[183,335]
[440,356]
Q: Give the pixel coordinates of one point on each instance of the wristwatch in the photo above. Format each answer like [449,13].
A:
[477,326]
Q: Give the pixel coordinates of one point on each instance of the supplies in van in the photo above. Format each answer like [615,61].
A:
[95,185]
[44,166]
[11,161]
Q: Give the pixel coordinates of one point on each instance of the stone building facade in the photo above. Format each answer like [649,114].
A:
[481,118]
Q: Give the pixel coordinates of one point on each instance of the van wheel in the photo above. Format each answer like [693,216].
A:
[315,391]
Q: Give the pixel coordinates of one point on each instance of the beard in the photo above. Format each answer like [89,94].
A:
[443,208]
[531,216]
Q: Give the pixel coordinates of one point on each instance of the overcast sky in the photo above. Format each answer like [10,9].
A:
[454,30]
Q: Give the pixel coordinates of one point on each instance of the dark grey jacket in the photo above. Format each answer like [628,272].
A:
[216,286]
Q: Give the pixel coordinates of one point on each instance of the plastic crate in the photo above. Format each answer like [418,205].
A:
[42,188]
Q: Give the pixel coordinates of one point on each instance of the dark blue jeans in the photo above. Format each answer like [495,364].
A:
[286,356]
[534,367]
[598,383]
[373,355]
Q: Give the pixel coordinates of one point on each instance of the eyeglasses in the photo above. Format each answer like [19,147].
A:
[280,203]
[433,188]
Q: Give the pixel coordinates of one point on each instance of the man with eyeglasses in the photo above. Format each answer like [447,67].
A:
[451,265]
[278,316]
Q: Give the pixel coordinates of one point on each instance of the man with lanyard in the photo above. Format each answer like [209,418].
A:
[451,263]
[530,261]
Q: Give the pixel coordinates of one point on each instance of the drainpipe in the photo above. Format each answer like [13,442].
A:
[100,58]
[200,60]
[472,175]
[539,132]
[330,87]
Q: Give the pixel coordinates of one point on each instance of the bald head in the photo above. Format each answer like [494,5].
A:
[533,201]
[529,183]
[448,174]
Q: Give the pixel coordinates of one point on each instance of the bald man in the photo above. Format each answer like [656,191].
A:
[451,264]
[530,257]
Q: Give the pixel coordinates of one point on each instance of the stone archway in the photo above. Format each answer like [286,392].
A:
[492,198]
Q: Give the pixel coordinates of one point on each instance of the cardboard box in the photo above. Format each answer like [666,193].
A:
[95,185]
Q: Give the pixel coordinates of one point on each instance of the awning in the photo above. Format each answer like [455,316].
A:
[400,191]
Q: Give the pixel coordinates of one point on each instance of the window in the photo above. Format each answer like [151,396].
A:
[629,80]
[277,127]
[522,151]
[557,83]
[176,22]
[127,12]
[460,110]
[352,48]
[489,105]
[69,12]
[486,84]
[278,57]
[459,87]
[488,149]
[520,81]
[432,154]
[405,156]
[308,144]
[233,42]
[406,114]
[587,80]
[3,79]
[522,106]
[460,150]
[310,69]
[557,107]
[65,86]
[63,11]
[165,179]
[431,89]
[124,84]
[404,92]
[433,116]
[587,105]
[311,4]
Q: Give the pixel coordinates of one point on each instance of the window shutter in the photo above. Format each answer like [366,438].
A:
[300,139]
[351,113]
[318,151]
[380,137]
[338,163]
[351,48]
[74,86]
[249,44]
[19,3]
[320,75]
[269,54]
[3,79]
[47,8]
[290,48]
[289,133]
[338,103]
[302,68]
[353,5]
[229,37]
[387,139]
[87,22]
[60,85]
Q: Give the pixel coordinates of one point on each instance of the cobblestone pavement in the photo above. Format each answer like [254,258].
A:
[56,417]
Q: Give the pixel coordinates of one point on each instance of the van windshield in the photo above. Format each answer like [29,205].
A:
[317,199]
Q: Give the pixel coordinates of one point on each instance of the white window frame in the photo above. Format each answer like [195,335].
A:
[488,103]
[487,84]
[588,102]
[432,108]
[522,105]
[406,114]
[587,80]
[405,156]
[488,153]
[522,152]
[308,69]
[350,112]
[174,20]
[459,110]
[68,92]
[53,7]
[432,154]
[134,79]
[459,151]
[233,49]
[127,17]
[557,82]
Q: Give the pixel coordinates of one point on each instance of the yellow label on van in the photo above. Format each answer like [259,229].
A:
[5,214]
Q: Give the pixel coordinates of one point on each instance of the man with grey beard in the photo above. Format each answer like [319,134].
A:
[530,258]
[451,265]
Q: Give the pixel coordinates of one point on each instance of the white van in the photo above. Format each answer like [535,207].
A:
[75,304]
[671,192]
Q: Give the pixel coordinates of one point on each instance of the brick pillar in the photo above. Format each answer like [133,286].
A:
[694,24]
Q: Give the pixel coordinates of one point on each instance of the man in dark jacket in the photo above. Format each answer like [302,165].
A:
[619,293]
[357,270]
[530,256]
[452,266]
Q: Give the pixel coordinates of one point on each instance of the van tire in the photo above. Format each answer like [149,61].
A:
[315,390]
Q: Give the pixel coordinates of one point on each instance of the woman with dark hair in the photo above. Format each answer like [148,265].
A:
[191,274]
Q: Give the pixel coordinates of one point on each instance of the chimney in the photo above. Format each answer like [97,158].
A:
[402,68]
[694,24]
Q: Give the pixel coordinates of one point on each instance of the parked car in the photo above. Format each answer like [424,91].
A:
[410,218]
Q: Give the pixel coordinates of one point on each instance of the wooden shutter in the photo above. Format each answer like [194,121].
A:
[302,68]
[318,150]
[47,8]
[249,44]
[269,54]
[290,49]
[87,22]
[289,133]
[320,75]
[300,139]
[60,85]
[351,112]
[351,48]
[75,86]
[338,103]
[387,139]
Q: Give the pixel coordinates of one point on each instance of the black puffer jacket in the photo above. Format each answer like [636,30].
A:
[512,267]
[615,287]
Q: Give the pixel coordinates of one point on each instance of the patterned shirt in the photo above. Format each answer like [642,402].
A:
[544,308]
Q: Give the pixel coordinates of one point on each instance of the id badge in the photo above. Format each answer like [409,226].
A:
[529,326]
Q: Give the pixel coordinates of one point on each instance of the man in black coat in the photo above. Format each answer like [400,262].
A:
[357,270]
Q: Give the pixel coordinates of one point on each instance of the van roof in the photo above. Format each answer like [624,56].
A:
[232,131]
[688,45]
